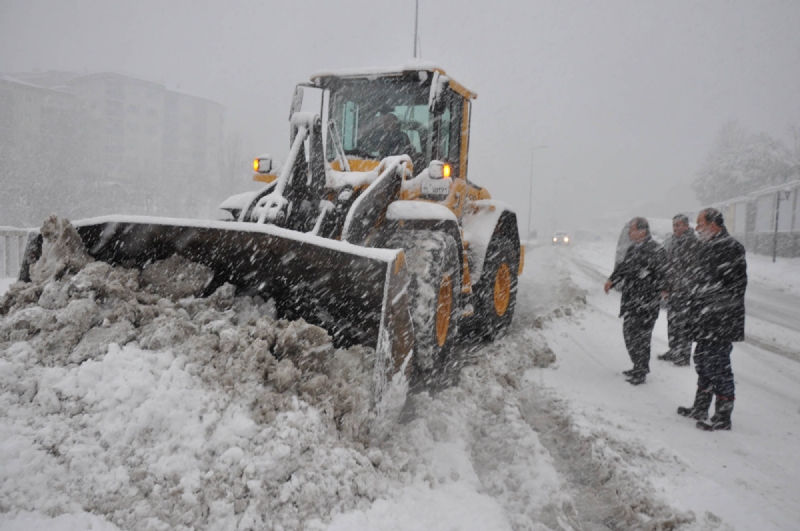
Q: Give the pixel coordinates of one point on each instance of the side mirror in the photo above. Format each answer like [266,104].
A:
[307,98]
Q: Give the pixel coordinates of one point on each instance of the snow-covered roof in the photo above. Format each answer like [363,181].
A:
[415,65]
[791,185]
[16,81]
[375,71]
[733,200]
[783,187]
[169,88]
[10,79]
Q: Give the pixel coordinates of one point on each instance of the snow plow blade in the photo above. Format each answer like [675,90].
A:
[356,293]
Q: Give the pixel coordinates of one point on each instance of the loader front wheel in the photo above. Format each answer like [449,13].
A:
[434,291]
[497,291]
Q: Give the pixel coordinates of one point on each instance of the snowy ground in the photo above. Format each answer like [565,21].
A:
[142,438]
[749,477]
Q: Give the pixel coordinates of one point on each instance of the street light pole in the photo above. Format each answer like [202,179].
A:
[530,193]
[781,195]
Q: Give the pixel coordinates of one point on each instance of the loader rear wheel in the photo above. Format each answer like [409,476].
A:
[497,290]
[434,294]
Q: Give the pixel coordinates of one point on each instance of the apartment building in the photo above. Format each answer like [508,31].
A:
[131,130]
[35,117]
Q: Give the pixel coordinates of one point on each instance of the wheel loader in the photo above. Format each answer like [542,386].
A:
[371,229]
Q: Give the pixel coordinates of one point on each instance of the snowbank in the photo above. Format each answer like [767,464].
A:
[129,405]
[125,396]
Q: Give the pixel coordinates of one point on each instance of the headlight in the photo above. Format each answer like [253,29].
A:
[263,164]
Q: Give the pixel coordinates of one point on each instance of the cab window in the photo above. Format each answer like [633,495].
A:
[450,130]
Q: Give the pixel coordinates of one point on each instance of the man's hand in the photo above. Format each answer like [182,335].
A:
[664,295]
[608,285]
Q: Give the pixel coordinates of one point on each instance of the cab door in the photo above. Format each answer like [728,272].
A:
[451,132]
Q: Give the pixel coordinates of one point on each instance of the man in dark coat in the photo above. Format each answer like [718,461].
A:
[718,319]
[643,271]
[680,249]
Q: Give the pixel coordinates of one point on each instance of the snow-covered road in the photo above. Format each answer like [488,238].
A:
[749,477]
[537,431]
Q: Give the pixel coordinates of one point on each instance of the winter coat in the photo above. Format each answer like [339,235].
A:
[681,274]
[643,271]
[718,303]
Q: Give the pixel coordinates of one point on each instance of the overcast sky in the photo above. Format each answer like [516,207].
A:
[627,95]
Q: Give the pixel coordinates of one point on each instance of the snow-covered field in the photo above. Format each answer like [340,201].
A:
[783,275]
[110,427]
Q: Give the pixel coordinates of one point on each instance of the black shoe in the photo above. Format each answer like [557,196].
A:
[721,419]
[629,372]
[636,379]
[667,356]
[714,425]
[692,413]
[681,362]
[699,410]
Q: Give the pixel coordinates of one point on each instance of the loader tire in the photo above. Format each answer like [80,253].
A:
[434,294]
[497,290]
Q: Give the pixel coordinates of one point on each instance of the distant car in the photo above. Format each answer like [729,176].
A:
[560,238]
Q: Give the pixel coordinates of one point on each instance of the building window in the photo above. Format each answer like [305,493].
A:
[115,89]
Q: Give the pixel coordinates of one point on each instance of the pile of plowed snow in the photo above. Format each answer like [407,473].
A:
[130,403]
[125,395]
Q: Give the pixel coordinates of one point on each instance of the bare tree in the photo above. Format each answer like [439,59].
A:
[739,163]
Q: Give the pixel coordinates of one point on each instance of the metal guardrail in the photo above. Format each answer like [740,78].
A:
[12,249]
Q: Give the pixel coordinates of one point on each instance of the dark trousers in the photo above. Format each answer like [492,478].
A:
[637,329]
[678,322]
[712,360]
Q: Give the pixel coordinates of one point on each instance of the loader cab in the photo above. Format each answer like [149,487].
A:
[420,113]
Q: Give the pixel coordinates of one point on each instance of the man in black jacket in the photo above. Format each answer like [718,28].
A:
[643,271]
[680,248]
[717,319]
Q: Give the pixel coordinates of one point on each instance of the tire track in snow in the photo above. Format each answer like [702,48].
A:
[503,418]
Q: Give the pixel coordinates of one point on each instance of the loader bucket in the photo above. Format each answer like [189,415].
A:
[356,293]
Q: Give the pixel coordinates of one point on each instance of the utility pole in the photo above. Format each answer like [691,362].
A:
[416,26]
[530,192]
[778,196]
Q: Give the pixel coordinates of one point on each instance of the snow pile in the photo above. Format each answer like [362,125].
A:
[126,398]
